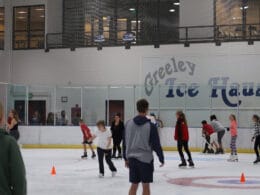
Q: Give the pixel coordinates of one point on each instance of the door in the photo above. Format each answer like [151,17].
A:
[114,106]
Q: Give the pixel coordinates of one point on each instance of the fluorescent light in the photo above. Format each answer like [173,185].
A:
[176,3]
[20,18]
[245,7]
[42,16]
[39,9]
[172,10]
[134,21]
[131,9]
[22,12]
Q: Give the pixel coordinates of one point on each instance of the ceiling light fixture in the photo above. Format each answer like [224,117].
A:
[39,9]
[22,12]
[176,3]
[172,10]
[132,9]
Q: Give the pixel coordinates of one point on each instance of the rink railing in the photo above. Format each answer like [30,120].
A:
[92,103]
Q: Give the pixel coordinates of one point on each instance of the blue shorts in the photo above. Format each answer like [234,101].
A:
[140,172]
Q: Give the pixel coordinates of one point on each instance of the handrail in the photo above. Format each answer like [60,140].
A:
[191,34]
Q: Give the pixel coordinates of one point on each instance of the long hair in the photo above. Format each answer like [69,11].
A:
[182,116]
[234,117]
[15,114]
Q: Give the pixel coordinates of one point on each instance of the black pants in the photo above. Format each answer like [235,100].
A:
[207,137]
[15,134]
[117,146]
[107,154]
[257,146]
[180,146]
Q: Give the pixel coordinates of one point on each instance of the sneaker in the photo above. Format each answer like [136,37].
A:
[113,156]
[119,156]
[191,163]
[101,175]
[257,160]
[114,173]
[93,155]
[183,164]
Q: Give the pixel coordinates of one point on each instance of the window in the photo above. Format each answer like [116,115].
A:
[29,27]
[2,27]
[238,18]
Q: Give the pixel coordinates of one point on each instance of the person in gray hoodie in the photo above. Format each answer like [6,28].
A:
[220,130]
[139,141]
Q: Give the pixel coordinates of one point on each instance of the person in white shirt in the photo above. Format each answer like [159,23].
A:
[104,148]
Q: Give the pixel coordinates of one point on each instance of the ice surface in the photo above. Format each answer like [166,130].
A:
[79,177]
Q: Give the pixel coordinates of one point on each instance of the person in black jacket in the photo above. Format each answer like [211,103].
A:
[117,129]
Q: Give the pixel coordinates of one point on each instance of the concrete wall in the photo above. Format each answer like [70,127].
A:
[111,65]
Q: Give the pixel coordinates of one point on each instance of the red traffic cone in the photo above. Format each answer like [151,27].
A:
[53,171]
[242,178]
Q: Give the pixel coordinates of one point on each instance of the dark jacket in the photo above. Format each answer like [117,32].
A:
[181,131]
[117,130]
[141,139]
[12,170]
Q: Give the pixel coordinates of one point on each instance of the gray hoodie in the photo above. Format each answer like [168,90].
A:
[141,139]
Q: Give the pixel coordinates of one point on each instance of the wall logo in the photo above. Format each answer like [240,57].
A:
[221,87]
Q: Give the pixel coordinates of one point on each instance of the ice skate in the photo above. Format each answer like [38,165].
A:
[257,160]
[183,164]
[191,163]
[93,155]
[84,156]
[233,158]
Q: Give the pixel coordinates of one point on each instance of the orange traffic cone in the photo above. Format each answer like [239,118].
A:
[242,178]
[53,171]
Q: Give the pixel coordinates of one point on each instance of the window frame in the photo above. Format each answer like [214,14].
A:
[28,29]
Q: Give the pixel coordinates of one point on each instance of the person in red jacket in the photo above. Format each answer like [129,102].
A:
[210,136]
[86,139]
[182,138]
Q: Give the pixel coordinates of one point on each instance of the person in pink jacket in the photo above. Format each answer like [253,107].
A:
[233,132]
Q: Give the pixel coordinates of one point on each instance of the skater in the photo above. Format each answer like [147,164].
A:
[104,148]
[12,125]
[233,132]
[210,137]
[117,129]
[220,130]
[182,138]
[140,140]
[86,139]
[12,170]
[256,137]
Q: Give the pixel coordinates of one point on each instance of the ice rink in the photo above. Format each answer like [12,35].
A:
[213,175]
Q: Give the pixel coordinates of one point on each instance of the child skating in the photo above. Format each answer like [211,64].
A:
[86,139]
[182,138]
[256,137]
[210,138]
[104,148]
[233,133]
